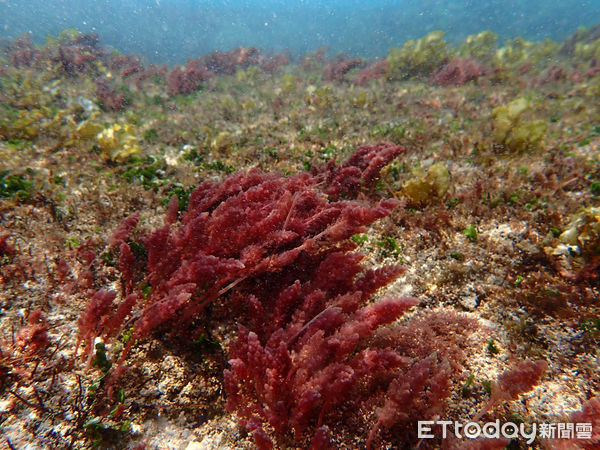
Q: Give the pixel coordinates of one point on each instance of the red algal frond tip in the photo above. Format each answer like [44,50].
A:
[33,338]
[511,383]
[123,231]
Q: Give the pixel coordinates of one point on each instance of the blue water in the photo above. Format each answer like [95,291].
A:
[174,30]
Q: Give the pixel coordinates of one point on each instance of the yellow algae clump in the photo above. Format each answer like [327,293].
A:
[118,142]
[222,141]
[360,100]
[249,76]
[320,97]
[64,37]
[518,51]
[88,130]
[584,231]
[587,51]
[25,125]
[480,46]
[506,117]
[429,186]
[512,131]
[288,82]
[420,57]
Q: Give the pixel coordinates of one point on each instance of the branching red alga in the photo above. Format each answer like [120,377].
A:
[306,360]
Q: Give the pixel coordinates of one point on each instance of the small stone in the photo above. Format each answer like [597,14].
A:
[469,301]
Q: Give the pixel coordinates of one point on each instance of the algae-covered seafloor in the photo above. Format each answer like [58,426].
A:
[242,315]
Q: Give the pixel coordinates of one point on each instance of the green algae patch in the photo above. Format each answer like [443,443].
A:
[481,46]
[429,186]
[515,133]
[420,57]
[118,142]
[518,51]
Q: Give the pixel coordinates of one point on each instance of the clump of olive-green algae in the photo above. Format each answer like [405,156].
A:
[512,131]
[420,57]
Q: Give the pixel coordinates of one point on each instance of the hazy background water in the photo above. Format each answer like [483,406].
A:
[174,30]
